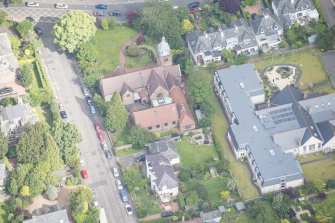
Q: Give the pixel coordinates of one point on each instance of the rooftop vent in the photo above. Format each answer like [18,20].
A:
[255,128]
[316,106]
[242,85]
[272,153]
[328,103]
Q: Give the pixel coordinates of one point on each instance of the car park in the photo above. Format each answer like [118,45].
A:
[104,146]
[166,214]
[32,4]
[63,114]
[108,154]
[84,174]
[92,109]
[119,184]
[140,158]
[98,13]
[115,13]
[101,6]
[61,6]
[129,210]
[101,136]
[38,30]
[115,172]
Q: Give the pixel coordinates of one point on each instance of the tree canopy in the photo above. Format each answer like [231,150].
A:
[117,115]
[26,75]
[138,137]
[160,19]
[3,144]
[75,28]
[24,28]
[133,179]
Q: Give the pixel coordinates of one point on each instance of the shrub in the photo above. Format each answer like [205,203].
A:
[26,75]
[3,17]
[112,23]
[291,193]
[140,39]
[292,213]
[104,23]
[331,183]
[322,195]
[132,50]
[181,200]
[24,28]
[8,101]
[52,193]
[101,104]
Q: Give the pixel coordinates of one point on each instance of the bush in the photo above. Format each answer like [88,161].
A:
[331,183]
[8,101]
[3,17]
[139,137]
[24,28]
[101,104]
[181,200]
[322,196]
[112,23]
[104,23]
[132,50]
[26,75]
[52,193]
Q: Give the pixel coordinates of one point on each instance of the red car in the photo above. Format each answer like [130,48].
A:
[97,127]
[84,174]
[101,136]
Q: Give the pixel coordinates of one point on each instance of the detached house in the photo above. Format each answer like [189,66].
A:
[167,149]
[207,47]
[268,30]
[154,97]
[294,11]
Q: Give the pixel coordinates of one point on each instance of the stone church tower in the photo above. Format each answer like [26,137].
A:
[164,53]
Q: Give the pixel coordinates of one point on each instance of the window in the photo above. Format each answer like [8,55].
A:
[188,126]
[150,128]
[174,122]
[166,124]
[312,147]
[319,145]
[304,148]
[157,126]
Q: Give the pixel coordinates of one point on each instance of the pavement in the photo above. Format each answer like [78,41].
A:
[64,79]
[328,11]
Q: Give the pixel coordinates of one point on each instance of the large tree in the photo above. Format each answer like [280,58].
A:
[160,19]
[133,179]
[67,137]
[75,28]
[281,205]
[3,144]
[26,75]
[231,6]
[139,137]
[117,115]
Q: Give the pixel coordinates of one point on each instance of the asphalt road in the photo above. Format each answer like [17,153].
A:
[328,11]
[63,76]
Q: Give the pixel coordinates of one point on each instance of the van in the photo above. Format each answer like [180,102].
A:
[123,195]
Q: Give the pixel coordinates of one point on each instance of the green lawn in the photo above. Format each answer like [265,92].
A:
[127,151]
[325,209]
[109,44]
[309,62]
[310,157]
[145,202]
[142,60]
[214,186]
[327,90]
[322,170]
[192,155]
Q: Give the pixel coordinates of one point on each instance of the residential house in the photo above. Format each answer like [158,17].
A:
[294,11]
[211,216]
[207,47]
[8,69]
[167,149]
[52,215]
[239,89]
[14,117]
[154,97]
[162,177]
[268,30]
[3,173]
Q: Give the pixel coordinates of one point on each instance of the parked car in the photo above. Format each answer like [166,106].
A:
[97,127]
[85,91]
[175,137]
[38,30]
[101,136]
[61,6]
[104,146]
[140,158]
[63,114]
[96,204]
[84,174]
[92,109]
[119,184]
[108,154]
[101,6]
[167,214]
[88,100]
[32,4]
[129,210]
[193,5]
[123,195]
[115,13]
[31,19]
[6,90]
[115,172]
[98,13]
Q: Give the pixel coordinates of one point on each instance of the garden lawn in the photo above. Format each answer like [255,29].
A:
[192,155]
[326,209]
[142,60]
[147,203]
[313,71]
[128,151]
[109,44]
[214,186]
[322,170]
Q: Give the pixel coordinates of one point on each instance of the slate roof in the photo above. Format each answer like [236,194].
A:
[13,112]
[53,217]
[268,25]
[205,216]
[162,170]
[327,130]
[166,148]
[287,95]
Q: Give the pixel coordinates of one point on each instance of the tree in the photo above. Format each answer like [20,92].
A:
[3,17]
[138,137]
[281,205]
[24,28]
[112,23]
[187,26]
[117,115]
[198,87]
[256,209]
[160,19]
[231,6]
[26,75]
[326,39]
[228,56]
[104,23]
[24,191]
[225,195]
[133,179]
[192,198]
[101,104]
[87,52]
[3,144]
[75,28]
[15,43]
[67,136]
[52,193]
[80,196]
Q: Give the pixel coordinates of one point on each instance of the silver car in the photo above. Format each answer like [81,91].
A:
[119,184]
[61,6]
[32,4]
[104,146]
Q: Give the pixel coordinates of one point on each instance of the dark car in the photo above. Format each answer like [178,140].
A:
[108,154]
[31,19]
[38,30]
[63,114]
[254,16]
[6,90]
[193,5]
[166,214]
[115,13]
[175,137]
[98,13]
[101,6]
[88,100]
[140,158]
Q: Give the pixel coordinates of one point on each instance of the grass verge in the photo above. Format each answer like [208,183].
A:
[322,170]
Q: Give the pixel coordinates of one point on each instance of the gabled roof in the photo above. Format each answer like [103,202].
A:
[268,25]
[285,7]
[53,217]
[287,95]
[154,82]
[125,88]
[171,81]
[13,112]
[166,148]
[327,130]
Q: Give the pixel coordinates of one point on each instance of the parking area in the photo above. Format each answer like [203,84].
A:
[328,59]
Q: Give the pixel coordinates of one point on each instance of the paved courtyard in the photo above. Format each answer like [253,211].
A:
[277,80]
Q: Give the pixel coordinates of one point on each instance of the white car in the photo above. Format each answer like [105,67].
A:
[61,6]
[115,172]
[96,203]
[119,184]
[129,210]
[32,4]
[104,146]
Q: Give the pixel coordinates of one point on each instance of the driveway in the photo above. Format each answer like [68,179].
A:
[129,160]
[328,59]
[328,11]
[65,82]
